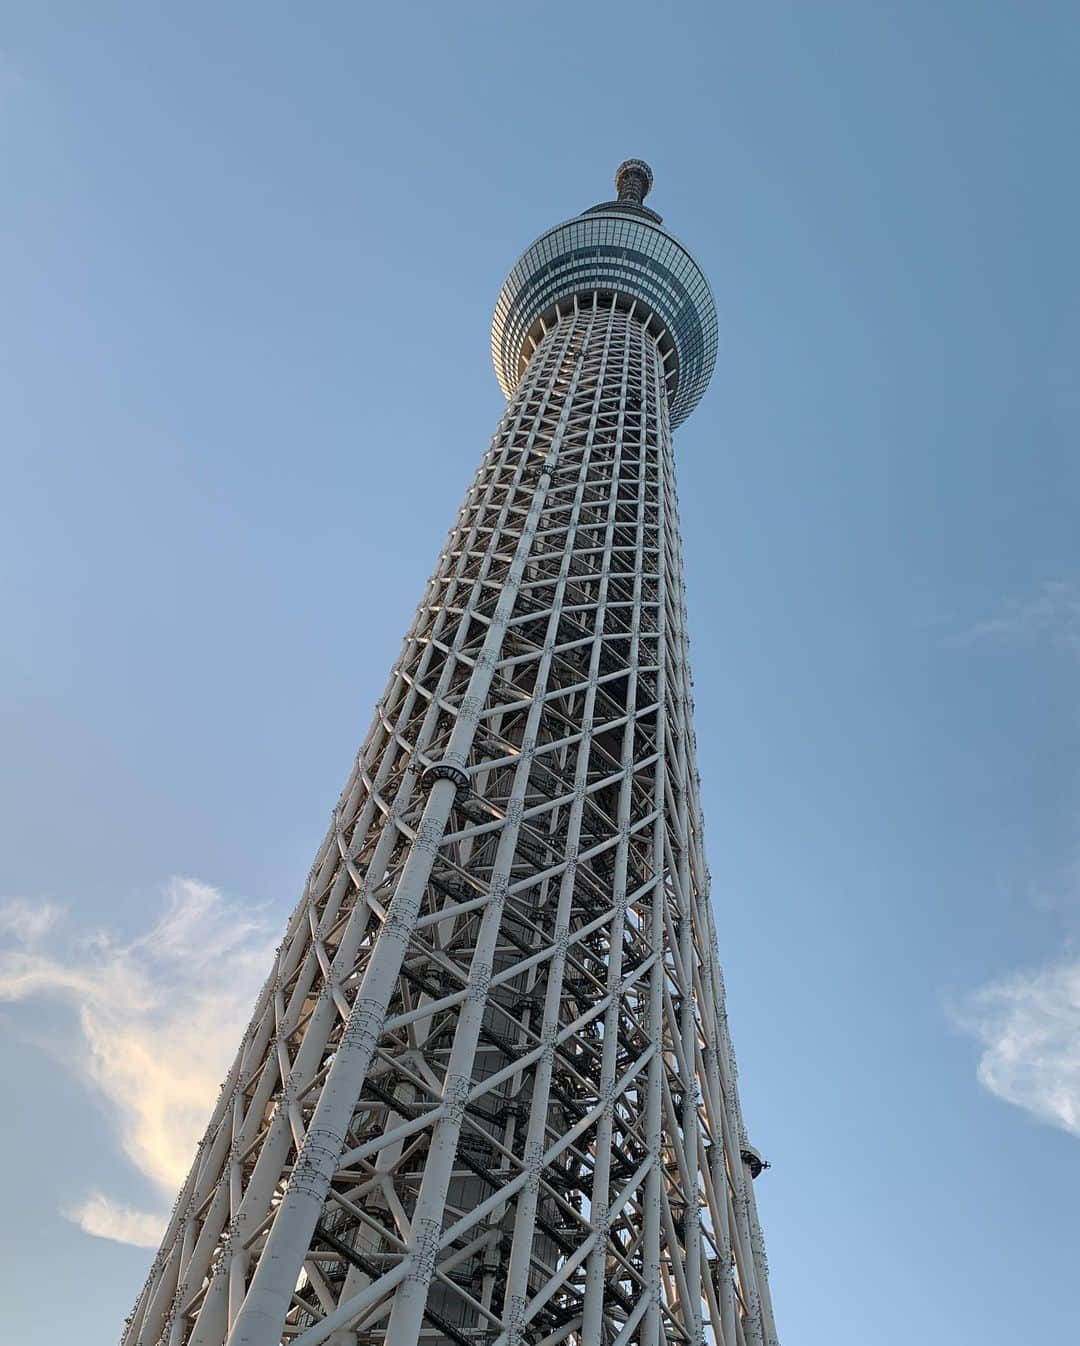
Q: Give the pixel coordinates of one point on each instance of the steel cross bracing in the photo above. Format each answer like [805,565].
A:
[488,1094]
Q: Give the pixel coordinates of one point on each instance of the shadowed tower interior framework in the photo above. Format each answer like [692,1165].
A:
[487,1095]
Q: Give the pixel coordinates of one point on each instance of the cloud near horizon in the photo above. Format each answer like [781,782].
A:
[1029,1025]
[1029,1021]
[159,1018]
[1050,614]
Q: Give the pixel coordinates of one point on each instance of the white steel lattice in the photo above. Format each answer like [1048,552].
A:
[487,1094]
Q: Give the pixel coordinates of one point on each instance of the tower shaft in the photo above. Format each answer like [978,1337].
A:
[487,1095]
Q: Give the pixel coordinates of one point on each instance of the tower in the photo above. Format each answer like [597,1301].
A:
[487,1095]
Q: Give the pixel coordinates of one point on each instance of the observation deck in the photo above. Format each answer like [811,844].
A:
[617,248]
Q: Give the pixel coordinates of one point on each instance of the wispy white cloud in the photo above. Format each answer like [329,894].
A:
[1051,614]
[159,1017]
[1029,1025]
[27,921]
[1029,1021]
[107,1219]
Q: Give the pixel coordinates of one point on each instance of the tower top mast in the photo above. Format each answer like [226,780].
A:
[633,181]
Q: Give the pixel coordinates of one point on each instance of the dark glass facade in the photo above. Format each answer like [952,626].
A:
[622,251]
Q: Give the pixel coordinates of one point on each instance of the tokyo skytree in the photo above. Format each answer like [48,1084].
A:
[487,1095]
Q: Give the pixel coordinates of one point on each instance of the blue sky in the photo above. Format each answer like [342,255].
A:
[250,254]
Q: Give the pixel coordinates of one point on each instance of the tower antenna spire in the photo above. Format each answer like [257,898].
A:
[633,181]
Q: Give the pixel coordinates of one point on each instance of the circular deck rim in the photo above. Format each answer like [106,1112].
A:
[628,255]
